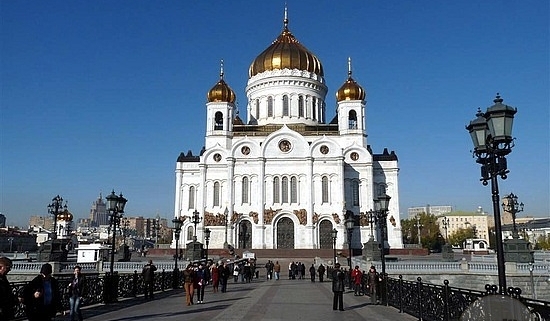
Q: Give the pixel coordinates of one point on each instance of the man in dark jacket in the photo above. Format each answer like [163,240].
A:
[148,273]
[41,296]
[76,291]
[338,288]
[321,272]
[7,299]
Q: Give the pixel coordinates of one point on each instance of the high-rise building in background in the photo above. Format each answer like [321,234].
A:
[98,212]
[2,220]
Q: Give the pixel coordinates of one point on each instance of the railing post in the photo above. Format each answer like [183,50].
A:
[446,294]
[419,290]
[135,284]
[400,293]
[163,279]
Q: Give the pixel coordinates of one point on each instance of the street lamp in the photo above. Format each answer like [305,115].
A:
[226,220]
[195,219]
[349,223]
[177,229]
[115,205]
[206,240]
[446,223]
[334,234]
[491,134]
[419,226]
[512,206]
[54,209]
[381,205]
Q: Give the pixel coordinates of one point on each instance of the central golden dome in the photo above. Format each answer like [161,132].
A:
[286,52]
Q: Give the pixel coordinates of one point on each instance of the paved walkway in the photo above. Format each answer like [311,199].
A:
[260,300]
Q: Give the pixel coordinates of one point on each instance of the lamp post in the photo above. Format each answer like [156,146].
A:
[382,204]
[54,209]
[445,222]
[195,219]
[349,223]
[177,229]
[115,206]
[226,220]
[206,241]
[491,134]
[512,206]
[334,234]
[418,226]
[531,268]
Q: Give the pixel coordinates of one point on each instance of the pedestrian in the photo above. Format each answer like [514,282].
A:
[200,283]
[148,273]
[372,284]
[338,278]
[312,272]
[356,278]
[247,272]
[225,272]
[188,284]
[7,298]
[290,270]
[277,270]
[77,289]
[215,277]
[321,272]
[236,270]
[41,296]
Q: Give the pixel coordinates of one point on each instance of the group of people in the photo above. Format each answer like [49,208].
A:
[370,279]
[197,276]
[41,296]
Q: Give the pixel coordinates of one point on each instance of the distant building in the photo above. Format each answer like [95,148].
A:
[98,212]
[436,210]
[478,220]
[45,222]
[2,220]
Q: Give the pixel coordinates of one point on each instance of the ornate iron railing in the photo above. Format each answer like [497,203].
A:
[129,285]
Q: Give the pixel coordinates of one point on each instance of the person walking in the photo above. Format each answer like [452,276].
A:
[148,273]
[200,283]
[373,279]
[188,284]
[277,270]
[76,294]
[41,296]
[7,298]
[338,278]
[225,272]
[356,279]
[312,272]
[321,272]
[215,277]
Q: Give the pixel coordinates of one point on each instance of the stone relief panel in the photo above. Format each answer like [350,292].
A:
[301,214]
[269,214]
[254,216]
[315,218]
[336,218]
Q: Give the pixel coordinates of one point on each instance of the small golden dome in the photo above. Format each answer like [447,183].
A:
[286,52]
[350,90]
[221,92]
[65,216]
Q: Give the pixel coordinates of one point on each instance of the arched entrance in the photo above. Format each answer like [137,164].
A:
[325,236]
[245,235]
[285,233]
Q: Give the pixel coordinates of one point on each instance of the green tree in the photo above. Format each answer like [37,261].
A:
[429,231]
[543,243]
[458,237]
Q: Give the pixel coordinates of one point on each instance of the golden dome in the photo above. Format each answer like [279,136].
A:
[221,92]
[65,216]
[286,52]
[350,90]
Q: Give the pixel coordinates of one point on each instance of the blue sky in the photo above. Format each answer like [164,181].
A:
[97,95]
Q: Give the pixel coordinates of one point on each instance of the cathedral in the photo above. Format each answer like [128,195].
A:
[284,177]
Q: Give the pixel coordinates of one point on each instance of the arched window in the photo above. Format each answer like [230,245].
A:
[284,190]
[301,106]
[381,189]
[269,106]
[218,121]
[352,119]
[285,105]
[323,108]
[216,194]
[191,197]
[276,187]
[257,113]
[355,193]
[293,190]
[244,191]
[324,189]
[314,108]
